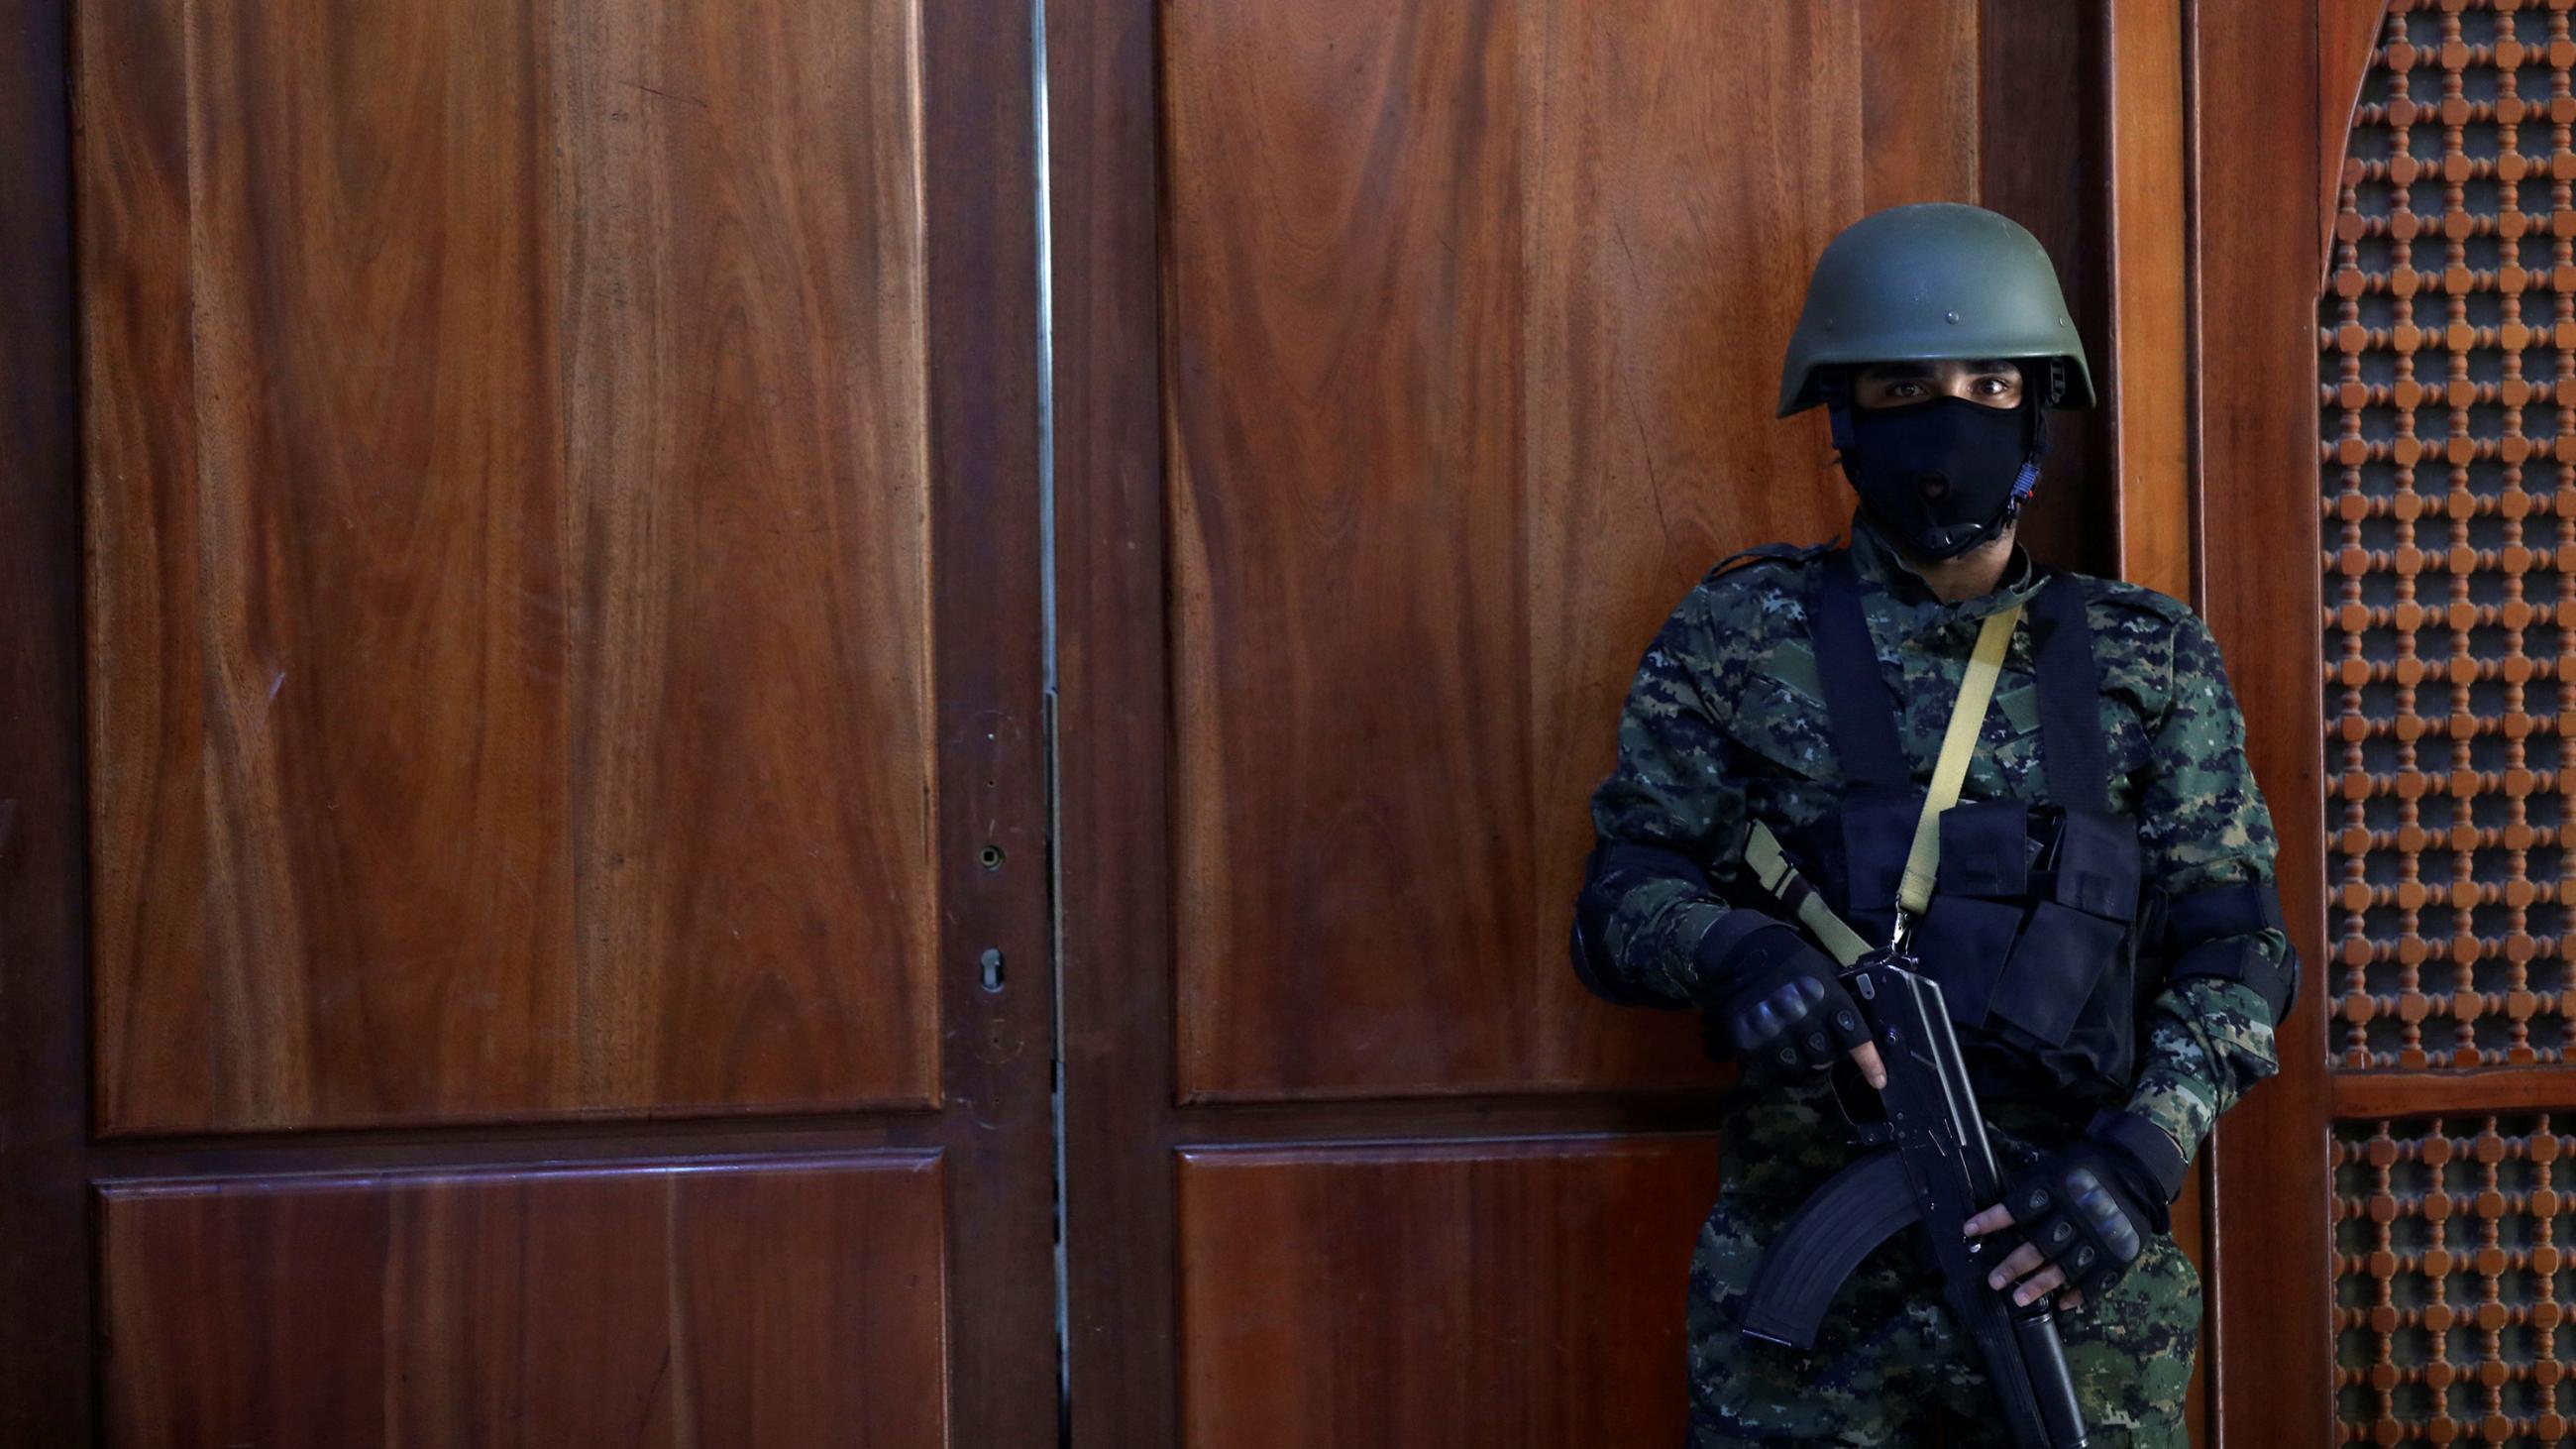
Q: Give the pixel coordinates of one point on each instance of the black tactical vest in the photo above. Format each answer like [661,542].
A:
[2038,912]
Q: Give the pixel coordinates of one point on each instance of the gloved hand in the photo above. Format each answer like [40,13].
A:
[1781,1001]
[2084,1211]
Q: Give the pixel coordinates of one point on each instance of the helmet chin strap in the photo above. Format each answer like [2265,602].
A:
[1994,528]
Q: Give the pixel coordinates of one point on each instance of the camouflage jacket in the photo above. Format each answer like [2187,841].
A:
[1726,723]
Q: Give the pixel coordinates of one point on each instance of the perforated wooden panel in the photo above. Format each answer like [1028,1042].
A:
[2449,350]
[2448,339]
[2453,1280]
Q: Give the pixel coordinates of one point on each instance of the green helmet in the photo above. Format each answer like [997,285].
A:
[1927,282]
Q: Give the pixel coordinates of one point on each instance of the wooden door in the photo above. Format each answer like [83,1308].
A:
[1412,360]
[522,856]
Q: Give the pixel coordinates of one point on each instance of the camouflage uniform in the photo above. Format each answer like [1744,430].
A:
[1726,723]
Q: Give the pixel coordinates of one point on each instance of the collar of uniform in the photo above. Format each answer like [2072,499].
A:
[1884,574]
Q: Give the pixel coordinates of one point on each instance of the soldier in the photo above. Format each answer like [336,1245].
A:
[2104,922]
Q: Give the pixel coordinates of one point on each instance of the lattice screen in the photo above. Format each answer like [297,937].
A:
[2449,342]
[2453,1280]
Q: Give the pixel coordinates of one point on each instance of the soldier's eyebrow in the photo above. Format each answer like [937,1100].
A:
[1898,371]
[1993,364]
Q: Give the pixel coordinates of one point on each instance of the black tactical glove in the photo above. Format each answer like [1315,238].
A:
[2089,1206]
[1780,1001]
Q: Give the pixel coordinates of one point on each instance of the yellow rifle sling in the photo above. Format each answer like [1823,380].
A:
[1958,743]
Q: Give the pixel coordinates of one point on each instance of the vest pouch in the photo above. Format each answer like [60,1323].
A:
[2097,864]
[2095,1058]
[1985,849]
[1964,943]
[2054,968]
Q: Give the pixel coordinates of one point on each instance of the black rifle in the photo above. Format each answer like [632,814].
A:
[1930,1166]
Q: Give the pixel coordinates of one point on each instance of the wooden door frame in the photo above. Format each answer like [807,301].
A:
[44,1097]
[2261,74]
[2252,79]
[978,115]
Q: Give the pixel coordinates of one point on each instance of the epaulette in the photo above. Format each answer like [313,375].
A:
[1766,553]
[2120,593]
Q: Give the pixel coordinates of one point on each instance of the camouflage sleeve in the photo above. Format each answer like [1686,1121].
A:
[1670,795]
[2202,820]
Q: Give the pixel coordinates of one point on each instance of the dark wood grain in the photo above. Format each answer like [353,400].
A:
[368,647]
[1346,367]
[788,1303]
[510,602]
[749,511]
[1496,1289]
[148,797]
[1458,412]
[45,1377]
[2253,71]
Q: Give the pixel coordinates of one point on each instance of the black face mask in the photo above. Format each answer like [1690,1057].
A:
[1941,476]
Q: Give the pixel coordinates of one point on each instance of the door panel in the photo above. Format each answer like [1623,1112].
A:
[647,1306]
[2273,1357]
[1511,1273]
[535,715]
[509,594]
